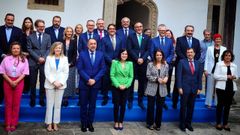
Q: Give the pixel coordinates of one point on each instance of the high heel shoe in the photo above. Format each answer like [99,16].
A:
[219,127]
[116,127]
[49,128]
[120,126]
[55,127]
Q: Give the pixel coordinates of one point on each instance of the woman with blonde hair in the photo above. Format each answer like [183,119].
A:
[56,72]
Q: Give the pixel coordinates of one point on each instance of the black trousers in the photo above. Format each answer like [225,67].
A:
[140,74]
[33,81]
[119,103]
[224,98]
[159,101]
[186,109]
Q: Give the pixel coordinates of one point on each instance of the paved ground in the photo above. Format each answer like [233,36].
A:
[133,128]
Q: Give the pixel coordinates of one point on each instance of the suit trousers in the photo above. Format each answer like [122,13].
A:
[33,81]
[187,102]
[210,91]
[119,103]
[224,103]
[106,86]
[159,101]
[88,99]
[140,74]
[54,101]
[12,99]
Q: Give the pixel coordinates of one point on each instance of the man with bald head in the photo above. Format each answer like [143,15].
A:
[138,46]
[125,31]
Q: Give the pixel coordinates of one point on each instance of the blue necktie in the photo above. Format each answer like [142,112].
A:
[89,35]
[39,39]
[91,57]
[162,41]
[125,33]
[189,42]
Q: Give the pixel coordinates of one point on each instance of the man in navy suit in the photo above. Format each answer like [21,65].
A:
[166,45]
[8,34]
[125,31]
[91,68]
[183,43]
[100,28]
[112,44]
[89,34]
[55,31]
[138,46]
[189,84]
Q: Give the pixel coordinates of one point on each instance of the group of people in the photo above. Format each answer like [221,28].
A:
[68,59]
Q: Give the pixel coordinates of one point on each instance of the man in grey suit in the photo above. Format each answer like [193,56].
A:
[38,45]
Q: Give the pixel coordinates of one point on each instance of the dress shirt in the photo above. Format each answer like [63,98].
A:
[8,31]
[10,67]
[56,30]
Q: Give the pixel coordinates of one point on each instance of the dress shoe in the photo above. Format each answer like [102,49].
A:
[120,126]
[219,127]
[165,106]
[189,127]
[104,102]
[130,105]
[49,128]
[32,103]
[83,128]
[183,129]
[150,127]
[141,105]
[226,128]
[42,103]
[157,128]
[90,128]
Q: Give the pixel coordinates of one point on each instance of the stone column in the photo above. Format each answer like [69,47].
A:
[109,11]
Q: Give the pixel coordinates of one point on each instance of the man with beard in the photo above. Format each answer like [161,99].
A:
[183,43]
[55,31]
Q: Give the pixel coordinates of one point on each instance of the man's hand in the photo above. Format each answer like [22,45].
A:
[180,90]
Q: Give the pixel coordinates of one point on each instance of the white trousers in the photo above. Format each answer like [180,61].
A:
[54,101]
[210,91]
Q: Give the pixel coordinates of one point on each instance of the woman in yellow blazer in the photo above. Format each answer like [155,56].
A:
[56,71]
[121,74]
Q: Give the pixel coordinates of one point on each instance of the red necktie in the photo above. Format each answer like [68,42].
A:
[191,67]
[100,34]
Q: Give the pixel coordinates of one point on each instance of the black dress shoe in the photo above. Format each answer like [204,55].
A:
[150,127]
[189,127]
[32,103]
[219,127]
[83,128]
[104,102]
[141,105]
[130,105]
[165,106]
[157,128]
[227,128]
[90,128]
[42,103]
[183,129]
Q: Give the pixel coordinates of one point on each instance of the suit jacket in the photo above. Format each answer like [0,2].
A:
[189,82]
[53,74]
[120,32]
[121,76]
[107,48]
[83,40]
[209,60]
[51,32]
[71,53]
[15,36]
[138,51]
[88,71]
[220,75]
[35,50]
[167,48]
[152,76]
[95,31]
[182,45]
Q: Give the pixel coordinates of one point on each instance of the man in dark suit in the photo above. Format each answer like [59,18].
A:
[100,28]
[38,45]
[125,31]
[112,44]
[183,43]
[91,68]
[189,84]
[166,45]
[138,46]
[8,34]
[89,34]
[55,31]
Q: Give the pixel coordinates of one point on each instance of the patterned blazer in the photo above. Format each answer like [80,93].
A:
[152,75]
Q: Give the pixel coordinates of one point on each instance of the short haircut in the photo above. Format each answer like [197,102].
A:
[111,25]
[38,21]
[228,52]
[188,26]
[56,16]
[9,14]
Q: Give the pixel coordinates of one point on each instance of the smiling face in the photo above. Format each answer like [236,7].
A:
[27,23]
[90,26]
[58,50]
[69,33]
[138,27]
[9,20]
[56,22]
[111,30]
[218,41]
[100,24]
[227,57]
[124,55]
[92,45]
[189,31]
[125,22]
[158,56]
[16,50]
[190,54]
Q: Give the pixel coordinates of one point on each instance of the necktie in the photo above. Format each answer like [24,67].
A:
[125,33]
[189,42]
[162,41]
[113,42]
[191,67]
[101,34]
[89,35]
[39,39]
[91,57]
[139,39]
